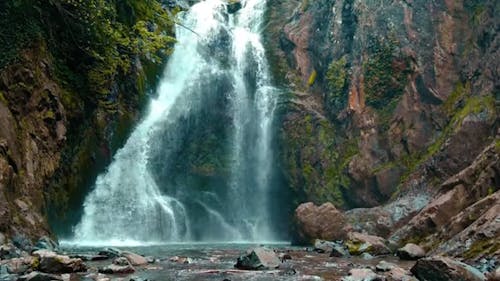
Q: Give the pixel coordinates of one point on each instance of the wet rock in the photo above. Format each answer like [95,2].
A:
[51,262]
[233,6]
[339,250]
[116,269]
[181,260]
[121,261]
[39,276]
[410,252]
[46,243]
[362,275]
[135,259]
[385,266]
[151,259]
[110,252]
[258,259]
[322,246]
[22,242]
[318,222]
[85,257]
[284,257]
[363,243]
[441,268]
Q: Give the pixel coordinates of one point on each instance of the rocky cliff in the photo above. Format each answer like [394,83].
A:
[73,78]
[388,100]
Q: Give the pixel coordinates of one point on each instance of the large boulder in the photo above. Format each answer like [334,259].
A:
[258,259]
[444,269]
[19,265]
[359,243]
[135,259]
[50,262]
[410,252]
[318,222]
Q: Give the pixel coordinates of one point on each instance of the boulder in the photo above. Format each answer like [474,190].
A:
[39,276]
[86,257]
[135,259]
[122,261]
[9,251]
[410,252]
[258,259]
[443,269]
[19,265]
[359,243]
[318,222]
[116,269]
[233,6]
[363,274]
[50,262]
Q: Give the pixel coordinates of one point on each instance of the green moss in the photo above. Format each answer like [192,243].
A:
[312,78]
[482,248]
[336,78]
[3,99]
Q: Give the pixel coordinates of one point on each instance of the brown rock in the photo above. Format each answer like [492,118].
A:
[135,259]
[324,222]
[494,276]
[399,274]
[117,269]
[51,262]
[358,243]
[441,268]
[410,252]
[258,259]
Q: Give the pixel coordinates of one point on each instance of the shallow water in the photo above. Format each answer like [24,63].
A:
[215,261]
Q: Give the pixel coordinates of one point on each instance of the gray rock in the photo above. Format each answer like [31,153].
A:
[86,257]
[364,274]
[122,261]
[22,242]
[116,269]
[2,238]
[442,268]
[410,252]
[110,252]
[322,246]
[385,266]
[340,251]
[9,251]
[258,259]
[366,256]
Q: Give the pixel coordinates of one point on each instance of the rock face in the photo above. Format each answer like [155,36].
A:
[258,259]
[410,252]
[318,222]
[443,269]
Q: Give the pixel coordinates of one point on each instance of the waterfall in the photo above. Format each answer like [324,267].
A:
[138,199]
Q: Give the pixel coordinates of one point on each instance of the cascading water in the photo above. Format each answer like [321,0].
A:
[221,64]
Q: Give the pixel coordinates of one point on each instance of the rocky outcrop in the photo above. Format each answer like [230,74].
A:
[319,222]
[368,117]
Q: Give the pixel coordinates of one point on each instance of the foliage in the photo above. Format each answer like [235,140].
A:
[385,71]
[336,78]
[312,78]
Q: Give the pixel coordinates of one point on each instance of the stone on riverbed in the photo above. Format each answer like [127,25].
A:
[385,266]
[442,268]
[359,243]
[39,276]
[410,252]
[363,274]
[50,262]
[135,259]
[258,259]
[110,252]
[116,269]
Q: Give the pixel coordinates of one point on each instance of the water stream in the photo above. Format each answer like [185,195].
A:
[220,67]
